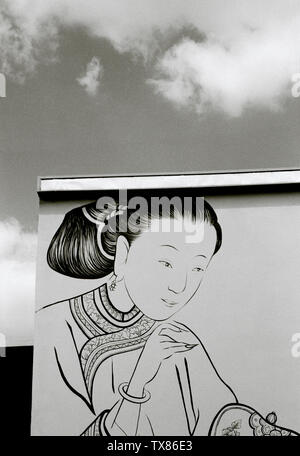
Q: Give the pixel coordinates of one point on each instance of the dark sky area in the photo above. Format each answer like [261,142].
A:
[49,126]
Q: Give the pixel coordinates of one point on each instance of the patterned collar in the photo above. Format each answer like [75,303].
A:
[95,314]
[114,313]
[109,331]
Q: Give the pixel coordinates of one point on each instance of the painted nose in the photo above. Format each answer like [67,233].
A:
[178,284]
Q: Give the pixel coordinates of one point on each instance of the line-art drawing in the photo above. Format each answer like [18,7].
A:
[136,369]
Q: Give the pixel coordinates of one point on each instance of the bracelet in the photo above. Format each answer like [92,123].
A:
[134,399]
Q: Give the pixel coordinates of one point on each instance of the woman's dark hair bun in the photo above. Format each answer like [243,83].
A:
[74,250]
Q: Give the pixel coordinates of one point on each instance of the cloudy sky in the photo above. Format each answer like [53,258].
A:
[117,86]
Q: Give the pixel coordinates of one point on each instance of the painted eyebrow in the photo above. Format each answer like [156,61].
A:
[167,245]
[172,247]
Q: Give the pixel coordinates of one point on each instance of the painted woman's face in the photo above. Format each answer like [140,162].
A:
[164,270]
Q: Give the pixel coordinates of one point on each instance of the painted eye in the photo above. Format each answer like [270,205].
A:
[166,264]
[198,269]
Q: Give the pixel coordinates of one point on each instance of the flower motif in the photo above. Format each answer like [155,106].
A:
[266,427]
[232,429]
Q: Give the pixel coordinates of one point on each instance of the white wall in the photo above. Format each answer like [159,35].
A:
[248,306]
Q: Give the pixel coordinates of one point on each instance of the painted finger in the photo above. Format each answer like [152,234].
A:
[157,330]
[165,338]
[179,347]
[186,347]
[193,338]
[173,345]
[174,327]
[170,333]
[181,326]
[182,337]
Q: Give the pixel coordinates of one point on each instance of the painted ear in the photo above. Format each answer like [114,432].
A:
[122,249]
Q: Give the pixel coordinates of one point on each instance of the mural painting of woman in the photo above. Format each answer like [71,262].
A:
[120,351]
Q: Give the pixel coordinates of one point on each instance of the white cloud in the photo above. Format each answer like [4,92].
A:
[246,58]
[90,81]
[253,72]
[17,284]
[26,40]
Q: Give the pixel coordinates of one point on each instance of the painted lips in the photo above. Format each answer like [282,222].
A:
[169,303]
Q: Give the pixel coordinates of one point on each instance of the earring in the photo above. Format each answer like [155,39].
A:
[113,284]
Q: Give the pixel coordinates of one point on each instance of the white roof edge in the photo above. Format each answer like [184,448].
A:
[158,181]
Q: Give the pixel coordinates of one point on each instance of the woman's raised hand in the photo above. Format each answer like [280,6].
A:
[166,340]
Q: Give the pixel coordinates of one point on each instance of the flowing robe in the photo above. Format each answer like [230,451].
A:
[86,348]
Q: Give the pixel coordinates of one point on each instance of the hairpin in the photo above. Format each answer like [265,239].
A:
[101,224]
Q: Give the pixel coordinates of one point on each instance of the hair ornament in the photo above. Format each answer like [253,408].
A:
[120,210]
[102,223]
